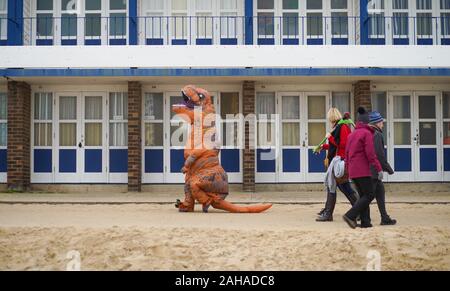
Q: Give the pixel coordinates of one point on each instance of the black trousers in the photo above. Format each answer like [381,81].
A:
[380,196]
[365,188]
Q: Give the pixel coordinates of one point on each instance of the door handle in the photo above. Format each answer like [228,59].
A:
[80,145]
[304,144]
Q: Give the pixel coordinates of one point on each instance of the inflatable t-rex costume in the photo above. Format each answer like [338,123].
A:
[205,179]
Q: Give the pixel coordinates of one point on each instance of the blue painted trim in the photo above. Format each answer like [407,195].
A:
[428,160]
[291,41]
[92,42]
[227,72]
[118,161]
[314,41]
[68,42]
[3,42]
[3,160]
[179,41]
[447,159]
[133,22]
[266,41]
[339,41]
[315,162]
[248,21]
[229,159]
[15,22]
[425,41]
[154,161]
[154,41]
[42,160]
[266,165]
[203,41]
[176,160]
[376,41]
[364,21]
[228,41]
[445,41]
[44,42]
[118,41]
[93,161]
[67,161]
[401,41]
[402,160]
[291,160]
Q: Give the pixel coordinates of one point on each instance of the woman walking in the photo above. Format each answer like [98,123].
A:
[360,155]
[337,141]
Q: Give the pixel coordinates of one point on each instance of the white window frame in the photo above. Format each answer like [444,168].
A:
[111,11]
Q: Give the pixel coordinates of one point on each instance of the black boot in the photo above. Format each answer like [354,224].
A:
[327,214]
[388,221]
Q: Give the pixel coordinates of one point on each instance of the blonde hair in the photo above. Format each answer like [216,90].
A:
[334,115]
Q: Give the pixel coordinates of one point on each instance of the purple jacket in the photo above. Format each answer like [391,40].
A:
[360,152]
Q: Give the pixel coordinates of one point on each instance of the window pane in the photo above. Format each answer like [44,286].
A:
[179,133]
[402,107]
[290,24]
[93,108]
[341,101]
[376,24]
[446,104]
[3,106]
[265,4]
[230,133]
[43,106]
[427,107]
[203,5]
[400,24]
[3,134]
[427,133]
[153,134]
[3,5]
[400,4]
[93,4]
[67,108]
[316,132]
[44,4]
[402,133]
[68,25]
[118,134]
[229,104]
[266,134]
[265,23]
[118,106]
[313,4]
[339,23]
[228,4]
[153,107]
[445,4]
[93,24]
[424,24]
[316,107]
[68,5]
[265,104]
[445,23]
[424,4]
[290,4]
[42,134]
[291,134]
[117,4]
[315,24]
[117,24]
[44,24]
[3,25]
[67,134]
[338,4]
[291,109]
[155,4]
[379,103]
[446,133]
[179,4]
[93,134]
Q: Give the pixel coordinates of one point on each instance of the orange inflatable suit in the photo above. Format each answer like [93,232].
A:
[205,179]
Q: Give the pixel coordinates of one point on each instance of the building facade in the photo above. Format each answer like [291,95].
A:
[88,84]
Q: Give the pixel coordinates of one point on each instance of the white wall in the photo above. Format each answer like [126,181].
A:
[224,56]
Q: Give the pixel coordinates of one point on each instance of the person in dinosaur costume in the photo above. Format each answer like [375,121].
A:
[205,179]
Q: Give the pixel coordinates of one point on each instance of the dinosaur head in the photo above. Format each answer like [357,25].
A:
[193,97]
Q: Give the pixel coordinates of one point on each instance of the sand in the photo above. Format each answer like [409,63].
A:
[156,237]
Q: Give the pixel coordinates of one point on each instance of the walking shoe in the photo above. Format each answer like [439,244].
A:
[321,211]
[388,221]
[366,225]
[350,222]
[325,216]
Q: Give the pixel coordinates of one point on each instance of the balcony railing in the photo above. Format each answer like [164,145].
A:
[233,30]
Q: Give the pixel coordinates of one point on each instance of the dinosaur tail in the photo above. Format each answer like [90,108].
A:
[230,207]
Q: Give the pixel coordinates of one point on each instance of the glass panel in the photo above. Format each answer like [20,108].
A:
[228,24]
[3,134]
[427,133]
[117,24]
[155,5]
[117,4]
[290,4]
[44,4]
[229,104]
[291,134]
[68,5]
[68,25]
[445,4]
[67,108]
[424,24]
[339,23]
[400,23]
[265,23]
[67,134]
[93,4]
[179,25]
[316,107]
[446,104]
[291,109]
[427,107]
[179,4]
[313,4]
[445,24]
[290,24]
[93,134]
[424,4]
[178,133]
[316,132]
[153,134]
[203,5]
[118,134]
[402,133]
[230,133]
[93,24]
[93,108]
[3,25]
[338,4]
[376,24]
[379,102]
[44,24]
[204,25]
[265,4]
[228,4]
[43,106]
[400,4]
[265,104]
[402,107]
[42,134]
[266,134]
[3,5]
[153,107]
[341,101]
[446,130]
[315,23]
[118,106]
[3,106]
[173,100]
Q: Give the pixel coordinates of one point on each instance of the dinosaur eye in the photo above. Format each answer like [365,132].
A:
[201,96]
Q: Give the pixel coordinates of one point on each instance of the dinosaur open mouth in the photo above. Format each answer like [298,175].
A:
[187,101]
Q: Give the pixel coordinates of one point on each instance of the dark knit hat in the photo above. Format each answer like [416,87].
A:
[375,117]
[363,115]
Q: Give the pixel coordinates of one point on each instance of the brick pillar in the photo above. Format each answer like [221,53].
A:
[134,136]
[249,150]
[361,91]
[19,119]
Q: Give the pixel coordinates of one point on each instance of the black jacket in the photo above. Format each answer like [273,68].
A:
[378,142]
